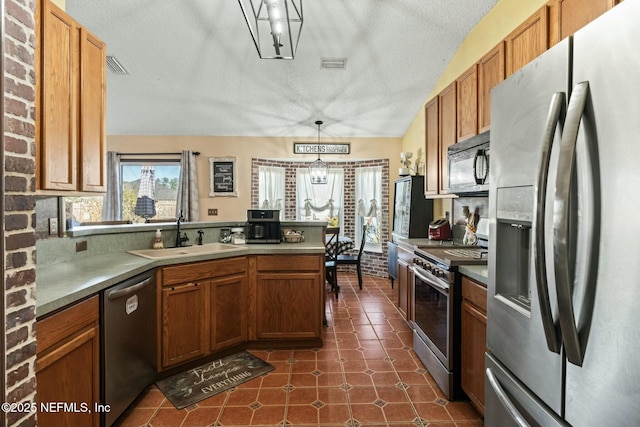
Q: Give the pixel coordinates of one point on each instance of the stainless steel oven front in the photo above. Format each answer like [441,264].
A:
[437,325]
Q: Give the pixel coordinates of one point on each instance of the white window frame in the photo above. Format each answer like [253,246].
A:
[320,194]
[271,188]
[368,188]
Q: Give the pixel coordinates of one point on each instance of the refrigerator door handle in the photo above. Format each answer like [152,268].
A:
[566,161]
[504,399]
[554,117]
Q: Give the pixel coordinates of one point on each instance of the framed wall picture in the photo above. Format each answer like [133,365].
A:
[222,177]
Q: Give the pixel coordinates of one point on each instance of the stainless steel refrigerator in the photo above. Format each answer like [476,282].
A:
[563,332]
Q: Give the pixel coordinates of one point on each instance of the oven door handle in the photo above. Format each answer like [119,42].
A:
[435,284]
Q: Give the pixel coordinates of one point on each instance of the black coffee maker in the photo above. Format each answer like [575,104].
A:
[263,226]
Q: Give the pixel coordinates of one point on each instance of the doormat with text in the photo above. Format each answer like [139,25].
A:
[194,385]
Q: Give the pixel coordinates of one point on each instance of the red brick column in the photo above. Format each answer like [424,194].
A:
[18,199]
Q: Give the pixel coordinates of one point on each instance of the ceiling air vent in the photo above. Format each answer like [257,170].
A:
[333,63]
[114,65]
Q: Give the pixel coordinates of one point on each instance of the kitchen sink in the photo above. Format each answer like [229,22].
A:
[209,248]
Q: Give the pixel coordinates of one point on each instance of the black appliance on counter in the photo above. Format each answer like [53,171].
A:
[263,226]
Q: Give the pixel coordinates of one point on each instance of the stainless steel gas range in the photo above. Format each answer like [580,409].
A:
[437,311]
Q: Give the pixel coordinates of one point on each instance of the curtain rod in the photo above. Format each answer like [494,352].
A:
[197,153]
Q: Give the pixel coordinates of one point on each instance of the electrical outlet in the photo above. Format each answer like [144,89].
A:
[212,212]
[53,226]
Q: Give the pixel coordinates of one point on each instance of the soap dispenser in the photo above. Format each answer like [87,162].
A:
[157,242]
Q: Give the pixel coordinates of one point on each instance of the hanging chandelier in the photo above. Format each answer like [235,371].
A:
[275,26]
[318,170]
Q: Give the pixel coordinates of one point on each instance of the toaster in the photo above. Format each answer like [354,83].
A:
[439,229]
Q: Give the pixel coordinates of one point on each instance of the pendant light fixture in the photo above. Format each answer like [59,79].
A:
[318,170]
[275,26]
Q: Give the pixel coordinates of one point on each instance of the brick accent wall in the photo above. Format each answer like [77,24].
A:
[19,209]
[374,264]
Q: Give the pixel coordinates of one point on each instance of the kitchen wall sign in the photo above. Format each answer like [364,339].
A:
[222,177]
[315,148]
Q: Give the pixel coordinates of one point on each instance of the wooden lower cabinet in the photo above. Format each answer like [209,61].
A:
[184,323]
[288,297]
[228,311]
[203,309]
[209,306]
[68,365]
[474,335]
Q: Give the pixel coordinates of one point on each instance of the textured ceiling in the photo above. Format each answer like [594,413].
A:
[194,69]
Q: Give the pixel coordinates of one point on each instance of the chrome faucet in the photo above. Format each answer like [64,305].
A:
[180,239]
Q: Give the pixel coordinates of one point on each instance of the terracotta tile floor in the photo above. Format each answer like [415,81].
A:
[366,374]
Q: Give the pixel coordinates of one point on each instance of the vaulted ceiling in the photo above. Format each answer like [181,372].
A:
[194,70]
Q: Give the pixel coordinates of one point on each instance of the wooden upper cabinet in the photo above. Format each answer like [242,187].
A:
[448,136]
[432,150]
[70,104]
[490,74]
[568,16]
[528,41]
[60,78]
[467,104]
[93,102]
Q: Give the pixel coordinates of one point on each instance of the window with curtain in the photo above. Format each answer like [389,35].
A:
[271,186]
[145,189]
[320,202]
[368,194]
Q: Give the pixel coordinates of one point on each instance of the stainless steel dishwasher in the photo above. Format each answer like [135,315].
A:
[128,345]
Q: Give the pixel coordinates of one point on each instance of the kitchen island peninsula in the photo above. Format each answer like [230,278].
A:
[210,300]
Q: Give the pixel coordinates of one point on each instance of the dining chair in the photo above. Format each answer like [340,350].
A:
[342,259]
[330,266]
[333,233]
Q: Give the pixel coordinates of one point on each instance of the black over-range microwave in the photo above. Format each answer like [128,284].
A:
[468,166]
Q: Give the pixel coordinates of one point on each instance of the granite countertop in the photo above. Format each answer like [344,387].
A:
[67,282]
[479,273]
